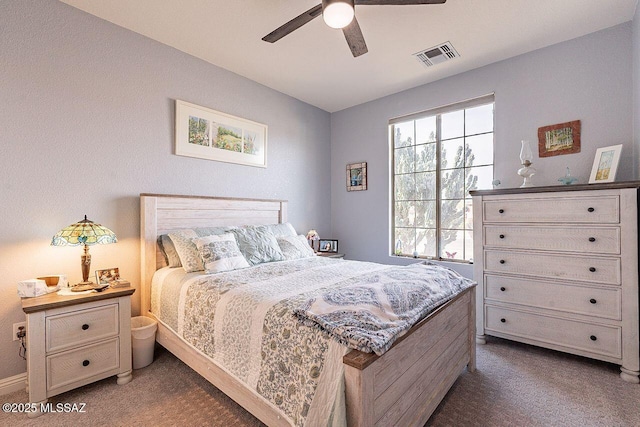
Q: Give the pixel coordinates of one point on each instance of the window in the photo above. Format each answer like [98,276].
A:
[437,157]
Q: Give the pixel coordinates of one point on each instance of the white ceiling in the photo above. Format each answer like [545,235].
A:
[314,63]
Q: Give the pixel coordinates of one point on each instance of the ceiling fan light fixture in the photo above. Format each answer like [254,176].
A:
[337,13]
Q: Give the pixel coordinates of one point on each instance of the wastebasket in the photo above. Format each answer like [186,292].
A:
[143,338]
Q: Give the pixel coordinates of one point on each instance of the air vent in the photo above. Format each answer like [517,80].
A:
[437,54]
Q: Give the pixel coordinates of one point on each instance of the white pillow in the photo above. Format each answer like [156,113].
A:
[220,253]
[186,249]
[295,247]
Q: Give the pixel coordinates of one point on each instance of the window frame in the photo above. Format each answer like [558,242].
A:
[437,112]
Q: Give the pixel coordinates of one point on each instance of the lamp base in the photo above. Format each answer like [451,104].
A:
[85,283]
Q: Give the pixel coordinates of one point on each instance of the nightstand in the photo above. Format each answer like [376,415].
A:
[330,255]
[76,340]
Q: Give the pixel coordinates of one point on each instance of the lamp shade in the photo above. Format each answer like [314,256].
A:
[337,13]
[85,232]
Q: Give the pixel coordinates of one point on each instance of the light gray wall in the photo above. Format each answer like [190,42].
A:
[585,79]
[636,87]
[86,124]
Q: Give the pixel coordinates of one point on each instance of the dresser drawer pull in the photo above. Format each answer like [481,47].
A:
[85,327]
[502,261]
[590,209]
[593,301]
[502,236]
[593,338]
[85,363]
[503,289]
[503,320]
[592,239]
[501,210]
[592,269]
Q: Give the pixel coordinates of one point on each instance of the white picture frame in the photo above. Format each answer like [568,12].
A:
[605,164]
[209,134]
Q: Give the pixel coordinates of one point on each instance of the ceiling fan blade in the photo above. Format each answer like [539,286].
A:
[396,2]
[293,25]
[355,39]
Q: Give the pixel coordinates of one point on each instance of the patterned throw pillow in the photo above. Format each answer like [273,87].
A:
[220,253]
[295,247]
[258,244]
[187,250]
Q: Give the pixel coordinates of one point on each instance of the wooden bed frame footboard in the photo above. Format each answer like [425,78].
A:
[402,387]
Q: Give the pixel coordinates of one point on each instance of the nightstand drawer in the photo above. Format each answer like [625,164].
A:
[594,338]
[564,297]
[587,269]
[81,327]
[83,363]
[589,210]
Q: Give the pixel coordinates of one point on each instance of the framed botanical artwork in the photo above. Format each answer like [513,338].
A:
[209,134]
[563,138]
[328,245]
[357,176]
[605,165]
[107,275]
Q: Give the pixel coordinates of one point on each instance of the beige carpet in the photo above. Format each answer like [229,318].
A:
[515,385]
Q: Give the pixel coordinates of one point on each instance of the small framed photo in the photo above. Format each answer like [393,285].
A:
[563,138]
[107,276]
[357,176]
[605,165]
[328,245]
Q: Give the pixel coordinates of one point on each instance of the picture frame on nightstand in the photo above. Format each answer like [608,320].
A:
[328,245]
[107,276]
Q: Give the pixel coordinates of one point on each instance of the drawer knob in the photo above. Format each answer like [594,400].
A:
[85,363]
[592,269]
[501,210]
[502,236]
[502,261]
[593,301]
[590,209]
[85,327]
[503,320]
[503,289]
[592,239]
[593,338]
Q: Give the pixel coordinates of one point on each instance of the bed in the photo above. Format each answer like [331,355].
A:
[403,386]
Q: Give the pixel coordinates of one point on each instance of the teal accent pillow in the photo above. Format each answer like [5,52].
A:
[258,244]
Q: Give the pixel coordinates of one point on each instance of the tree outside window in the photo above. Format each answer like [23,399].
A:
[437,158]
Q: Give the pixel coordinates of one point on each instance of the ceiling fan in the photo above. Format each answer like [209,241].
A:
[340,14]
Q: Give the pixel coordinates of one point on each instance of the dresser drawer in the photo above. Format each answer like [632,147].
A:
[77,366]
[567,267]
[588,210]
[570,298]
[604,240]
[594,338]
[80,327]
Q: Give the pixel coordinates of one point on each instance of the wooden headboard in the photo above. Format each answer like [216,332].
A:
[162,213]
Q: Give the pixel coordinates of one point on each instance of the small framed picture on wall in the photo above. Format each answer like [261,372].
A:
[357,176]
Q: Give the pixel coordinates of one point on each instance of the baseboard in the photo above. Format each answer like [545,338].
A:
[14,383]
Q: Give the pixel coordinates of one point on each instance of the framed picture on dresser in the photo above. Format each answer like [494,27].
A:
[605,165]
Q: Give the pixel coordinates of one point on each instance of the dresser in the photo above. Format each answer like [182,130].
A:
[76,340]
[557,267]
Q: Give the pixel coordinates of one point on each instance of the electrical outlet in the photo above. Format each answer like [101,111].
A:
[16,329]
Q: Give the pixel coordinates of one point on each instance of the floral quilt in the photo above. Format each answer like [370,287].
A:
[244,321]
